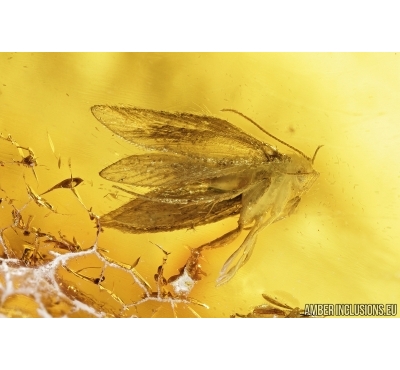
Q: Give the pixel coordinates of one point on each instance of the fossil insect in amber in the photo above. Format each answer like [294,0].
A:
[202,169]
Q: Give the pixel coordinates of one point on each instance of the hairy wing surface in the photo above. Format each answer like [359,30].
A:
[181,133]
[171,170]
[146,215]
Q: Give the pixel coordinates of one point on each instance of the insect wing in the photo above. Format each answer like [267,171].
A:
[150,215]
[181,133]
[172,170]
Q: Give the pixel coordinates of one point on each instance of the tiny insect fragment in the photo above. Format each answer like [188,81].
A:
[31,255]
[274,309]
[58,157]
[41,202]
[78,273]
[69,183]
[29,160]
[204,170]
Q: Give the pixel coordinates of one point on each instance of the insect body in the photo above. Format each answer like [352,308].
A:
[204,170]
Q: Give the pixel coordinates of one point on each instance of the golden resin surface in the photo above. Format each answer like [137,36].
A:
[339,246]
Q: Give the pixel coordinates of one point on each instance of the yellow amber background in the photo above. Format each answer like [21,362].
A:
[342,243]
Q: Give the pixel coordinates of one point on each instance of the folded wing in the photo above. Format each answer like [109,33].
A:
[173,170]
[152,215]
[181,133]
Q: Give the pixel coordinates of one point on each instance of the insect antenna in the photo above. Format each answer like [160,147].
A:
[274,137]
[315,153]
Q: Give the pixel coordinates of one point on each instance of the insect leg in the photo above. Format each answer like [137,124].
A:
[222,240]
[244,252]
[230,267]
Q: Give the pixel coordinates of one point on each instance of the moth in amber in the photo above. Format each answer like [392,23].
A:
[202,169]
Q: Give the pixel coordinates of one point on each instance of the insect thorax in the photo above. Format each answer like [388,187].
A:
[273,155]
